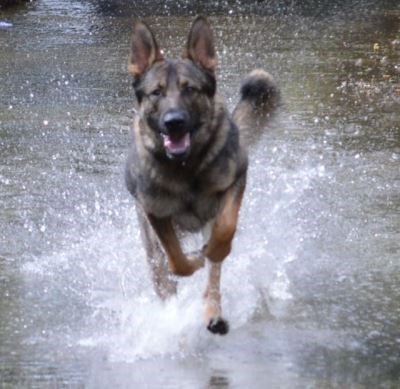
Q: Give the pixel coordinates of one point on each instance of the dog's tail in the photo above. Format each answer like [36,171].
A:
[260,97]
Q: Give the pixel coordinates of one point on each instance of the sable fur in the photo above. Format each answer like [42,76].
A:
[187,165]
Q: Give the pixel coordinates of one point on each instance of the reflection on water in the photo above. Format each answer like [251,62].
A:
[317,252]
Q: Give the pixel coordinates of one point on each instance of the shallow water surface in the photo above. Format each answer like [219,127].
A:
[311,289]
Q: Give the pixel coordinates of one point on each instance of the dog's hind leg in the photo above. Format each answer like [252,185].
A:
[215,323]
[164,285]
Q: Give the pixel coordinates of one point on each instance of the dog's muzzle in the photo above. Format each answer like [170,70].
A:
[176,133]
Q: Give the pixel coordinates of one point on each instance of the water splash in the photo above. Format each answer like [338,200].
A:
[106,271]
[4,24]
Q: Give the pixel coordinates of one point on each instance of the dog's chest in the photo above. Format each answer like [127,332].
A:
[190,203]
[195,210]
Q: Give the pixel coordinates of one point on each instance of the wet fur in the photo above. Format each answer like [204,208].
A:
[201,189]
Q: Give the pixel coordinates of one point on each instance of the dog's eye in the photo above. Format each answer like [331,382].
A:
[189,89]
[156,92]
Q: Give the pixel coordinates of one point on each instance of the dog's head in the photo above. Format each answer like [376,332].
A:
[175,97]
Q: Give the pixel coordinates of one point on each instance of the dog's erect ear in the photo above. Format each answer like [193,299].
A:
[200,45]
[144,50]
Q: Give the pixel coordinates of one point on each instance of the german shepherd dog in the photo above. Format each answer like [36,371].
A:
[187,166]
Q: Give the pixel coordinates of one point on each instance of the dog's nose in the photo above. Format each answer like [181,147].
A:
[175,120]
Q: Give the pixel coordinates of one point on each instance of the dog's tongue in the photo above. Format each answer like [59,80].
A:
[177,145]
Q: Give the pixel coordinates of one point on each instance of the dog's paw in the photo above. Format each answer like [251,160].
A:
[218,325]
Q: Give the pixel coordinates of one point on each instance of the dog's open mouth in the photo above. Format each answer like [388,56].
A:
[177,145]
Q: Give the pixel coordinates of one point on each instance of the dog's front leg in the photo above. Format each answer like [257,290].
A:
[215,323]
[224,228]
[216,250]
[179,264]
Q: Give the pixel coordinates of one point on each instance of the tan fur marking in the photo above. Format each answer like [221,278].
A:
[212,295]
[179,264]
[223,231]
[134,70]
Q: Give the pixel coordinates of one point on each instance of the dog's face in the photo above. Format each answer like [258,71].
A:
[175,96]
